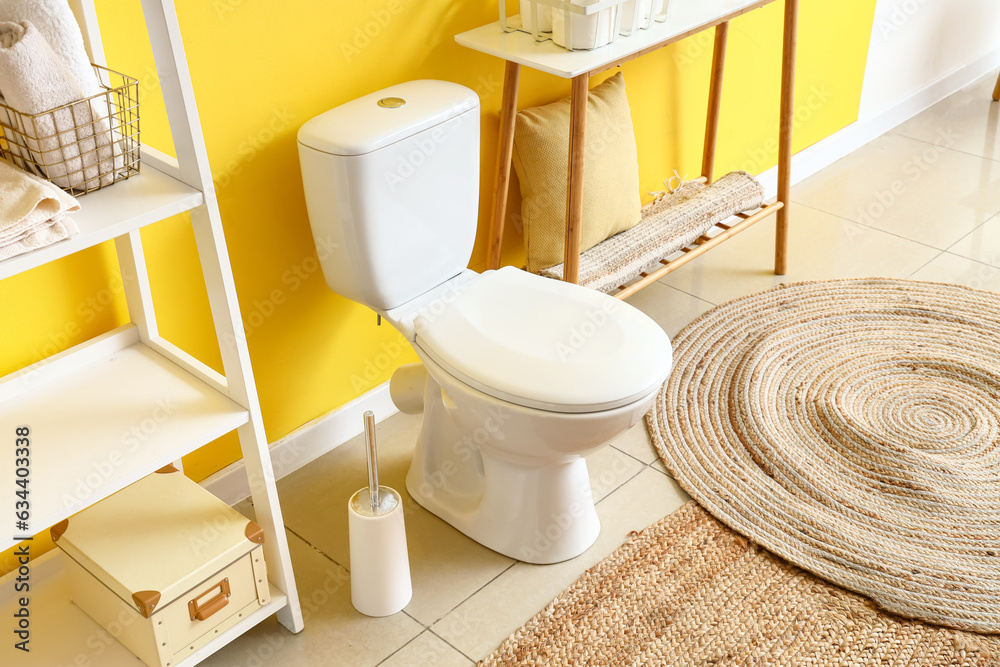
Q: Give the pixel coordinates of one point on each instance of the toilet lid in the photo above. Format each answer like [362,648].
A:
[545,344]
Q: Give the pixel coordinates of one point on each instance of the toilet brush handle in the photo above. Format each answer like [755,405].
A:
[372,459]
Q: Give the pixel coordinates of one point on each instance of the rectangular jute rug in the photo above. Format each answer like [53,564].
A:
[690,591]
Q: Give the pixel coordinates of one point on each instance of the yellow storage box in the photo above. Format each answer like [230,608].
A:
[164,565]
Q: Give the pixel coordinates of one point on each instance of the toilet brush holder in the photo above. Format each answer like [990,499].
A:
[380,565]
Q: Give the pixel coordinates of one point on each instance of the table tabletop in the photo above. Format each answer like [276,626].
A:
[686,18]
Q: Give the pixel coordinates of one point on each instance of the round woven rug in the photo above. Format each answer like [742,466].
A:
[853,428]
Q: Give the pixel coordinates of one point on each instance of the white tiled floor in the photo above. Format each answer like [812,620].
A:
[920,202]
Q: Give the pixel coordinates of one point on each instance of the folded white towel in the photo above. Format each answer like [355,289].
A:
[72,144]
[55,20]
[33,212]
[33,78]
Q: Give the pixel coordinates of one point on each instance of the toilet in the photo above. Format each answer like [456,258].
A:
[521,376]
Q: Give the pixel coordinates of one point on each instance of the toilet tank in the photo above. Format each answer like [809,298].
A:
[392,188]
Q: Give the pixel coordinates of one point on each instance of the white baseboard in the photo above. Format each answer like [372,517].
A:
[306,443]
[827,151]
[325,433]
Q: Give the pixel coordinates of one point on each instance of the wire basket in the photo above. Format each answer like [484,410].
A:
[82,146]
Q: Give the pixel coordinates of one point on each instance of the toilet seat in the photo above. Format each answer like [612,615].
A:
[545,344]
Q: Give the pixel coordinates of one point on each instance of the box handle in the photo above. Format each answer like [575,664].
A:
[203,612]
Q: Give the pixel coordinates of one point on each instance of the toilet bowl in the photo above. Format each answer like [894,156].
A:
[521,376]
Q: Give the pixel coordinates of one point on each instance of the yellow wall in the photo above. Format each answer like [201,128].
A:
[262,69]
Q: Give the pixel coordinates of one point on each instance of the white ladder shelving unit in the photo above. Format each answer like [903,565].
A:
[118,407]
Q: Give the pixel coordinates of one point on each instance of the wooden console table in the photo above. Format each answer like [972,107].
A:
[688,17]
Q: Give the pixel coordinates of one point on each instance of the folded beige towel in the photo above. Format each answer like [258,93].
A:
[32,212]
[71,143]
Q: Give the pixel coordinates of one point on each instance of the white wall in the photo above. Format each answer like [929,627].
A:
[918,45]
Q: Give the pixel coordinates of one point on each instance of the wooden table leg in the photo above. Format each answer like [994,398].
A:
[714,101]
[505,149]
[574,196]
[996,91]
[785,139]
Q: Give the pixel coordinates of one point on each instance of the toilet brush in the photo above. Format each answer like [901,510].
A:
[380,566]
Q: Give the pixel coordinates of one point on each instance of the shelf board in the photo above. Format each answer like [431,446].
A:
[63,635]
[686,18]
[145,198]
[103,415]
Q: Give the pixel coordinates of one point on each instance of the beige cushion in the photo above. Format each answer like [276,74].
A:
[611,201]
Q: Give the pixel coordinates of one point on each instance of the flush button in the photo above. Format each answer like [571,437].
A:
[391,102]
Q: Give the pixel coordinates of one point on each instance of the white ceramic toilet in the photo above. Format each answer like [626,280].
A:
[522,376]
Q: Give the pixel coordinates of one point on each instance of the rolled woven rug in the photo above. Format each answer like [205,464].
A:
[853,428]
[669,224]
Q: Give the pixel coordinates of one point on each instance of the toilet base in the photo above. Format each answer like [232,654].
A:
[513,478]
[533,514]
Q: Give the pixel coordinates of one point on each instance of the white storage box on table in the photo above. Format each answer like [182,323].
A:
[574,24]
[640,14]
[164,566]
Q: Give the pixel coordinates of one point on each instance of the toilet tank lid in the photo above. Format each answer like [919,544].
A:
[363,125]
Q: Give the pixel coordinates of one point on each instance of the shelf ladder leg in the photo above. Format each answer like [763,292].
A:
[574,195]
[505,150]
[785,139]
[996,91]
[212,251]
[714,101]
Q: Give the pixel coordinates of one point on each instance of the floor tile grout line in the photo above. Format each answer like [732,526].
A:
[463,653]
[924,141]
[886,232]
[928,263]
[685,292]
[405,644]
[954,150]
[472,595]
[971,232]
[631,456]
[619,487]
[415,619]
[700,298]
[317,549]
[968,259]
[662,472]
[935,144]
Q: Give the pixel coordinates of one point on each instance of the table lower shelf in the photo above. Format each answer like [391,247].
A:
[709,240]
[62,635]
